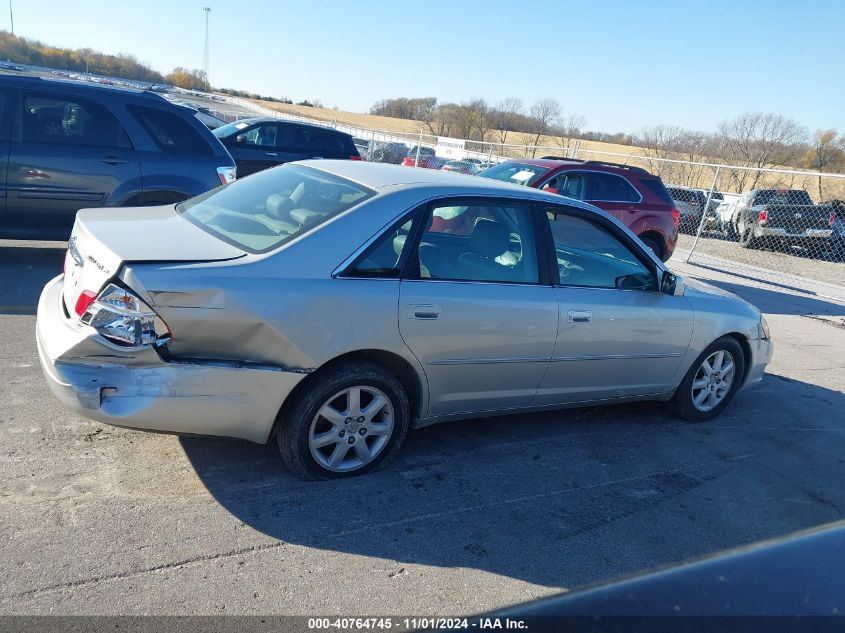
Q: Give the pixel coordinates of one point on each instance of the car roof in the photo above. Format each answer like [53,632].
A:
[380,176]
[594,165]
[74,84]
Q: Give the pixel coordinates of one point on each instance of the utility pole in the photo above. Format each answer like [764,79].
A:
[205,51]
[12,17]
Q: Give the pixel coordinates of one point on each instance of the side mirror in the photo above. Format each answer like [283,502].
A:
[240,139]
[672,284]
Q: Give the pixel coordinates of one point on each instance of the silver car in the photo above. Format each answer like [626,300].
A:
[332,305]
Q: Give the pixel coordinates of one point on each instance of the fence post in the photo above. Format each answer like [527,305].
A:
[490,153]
[704,214]
[419,143]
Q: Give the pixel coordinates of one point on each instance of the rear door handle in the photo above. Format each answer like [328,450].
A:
[113,160]
[424,312]
[579,316]
[274,154]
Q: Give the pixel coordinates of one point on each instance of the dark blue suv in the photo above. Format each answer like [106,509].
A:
[67,145]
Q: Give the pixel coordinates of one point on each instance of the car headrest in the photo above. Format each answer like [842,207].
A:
[489,238]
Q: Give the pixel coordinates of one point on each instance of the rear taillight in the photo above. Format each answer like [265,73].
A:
[763,217]
[122,318]
[408,161]
[84,301]
[355,158]
[832,219]
[227,175]
[676,217]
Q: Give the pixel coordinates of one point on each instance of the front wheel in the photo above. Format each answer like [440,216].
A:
[348,421]
[711,382]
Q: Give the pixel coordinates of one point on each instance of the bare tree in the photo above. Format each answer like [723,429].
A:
[506,115]
[826,153]
[541,117]
[760,140]
[568,130]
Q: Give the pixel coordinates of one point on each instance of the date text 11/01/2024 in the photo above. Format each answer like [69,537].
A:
[362,624]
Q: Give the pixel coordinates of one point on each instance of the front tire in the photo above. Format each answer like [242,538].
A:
[711,383]
[348,421]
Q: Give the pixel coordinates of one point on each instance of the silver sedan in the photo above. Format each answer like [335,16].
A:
[332,305]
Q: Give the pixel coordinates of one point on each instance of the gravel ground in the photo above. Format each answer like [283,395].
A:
[793,263]
[472,516]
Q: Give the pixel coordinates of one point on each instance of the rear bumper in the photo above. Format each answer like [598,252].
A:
[762,351]
[822,234]
[139,390]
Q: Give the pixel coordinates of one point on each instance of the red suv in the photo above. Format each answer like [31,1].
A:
[631,194]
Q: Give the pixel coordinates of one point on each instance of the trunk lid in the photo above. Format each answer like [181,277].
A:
[104,239]
[796,218]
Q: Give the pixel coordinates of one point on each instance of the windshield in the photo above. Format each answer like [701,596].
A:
[229,128]
[517,173]
[262,212]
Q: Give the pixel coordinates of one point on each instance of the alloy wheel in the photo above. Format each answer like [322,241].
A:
[351,428]
[713,380]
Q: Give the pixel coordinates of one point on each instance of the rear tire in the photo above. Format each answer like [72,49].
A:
[329,432]
[702,396]
[747,239]
[652,245]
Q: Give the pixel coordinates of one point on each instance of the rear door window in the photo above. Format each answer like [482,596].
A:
[57,118]
[610,188]
[172,133]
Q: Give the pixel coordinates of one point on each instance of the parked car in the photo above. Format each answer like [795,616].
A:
[71,145]
[386,152]
[461,167]
[259,143]
[425,158]
[690,202]
[331,305]
[631,194]
[762,216]
[362,145]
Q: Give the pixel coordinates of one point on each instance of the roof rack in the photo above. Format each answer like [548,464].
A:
[569,160]
[639,170]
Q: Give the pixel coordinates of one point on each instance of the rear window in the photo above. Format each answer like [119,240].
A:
[172,133]
[655,185]
[516,173]
[782,196]
[262,212]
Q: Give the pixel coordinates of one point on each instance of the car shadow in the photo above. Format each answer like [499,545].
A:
[24,270]
[770,300]
[559,498]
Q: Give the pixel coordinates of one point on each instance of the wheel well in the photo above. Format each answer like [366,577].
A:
[388,361]
[148,198]
[746,351]
[658,239]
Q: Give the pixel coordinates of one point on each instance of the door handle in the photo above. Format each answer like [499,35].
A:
[274,154]
[424,312]
[317,157]
[113,160]
[579,316]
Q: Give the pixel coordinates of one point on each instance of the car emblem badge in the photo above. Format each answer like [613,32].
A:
[798,216]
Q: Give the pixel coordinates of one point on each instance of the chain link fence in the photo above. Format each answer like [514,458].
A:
[776,225]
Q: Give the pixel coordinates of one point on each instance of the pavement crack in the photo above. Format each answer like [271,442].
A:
[74,584]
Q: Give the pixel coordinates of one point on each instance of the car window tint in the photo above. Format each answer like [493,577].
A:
[484,242]
[655,185]
[610,188]
[588,255]
[66,119]
[172,133]
[571,185]
[266,136]
[333,142]
[383,259]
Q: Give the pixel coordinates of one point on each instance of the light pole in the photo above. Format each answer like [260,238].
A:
[12,17]
[207,11]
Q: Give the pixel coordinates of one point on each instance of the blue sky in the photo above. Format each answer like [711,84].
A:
[622,65]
